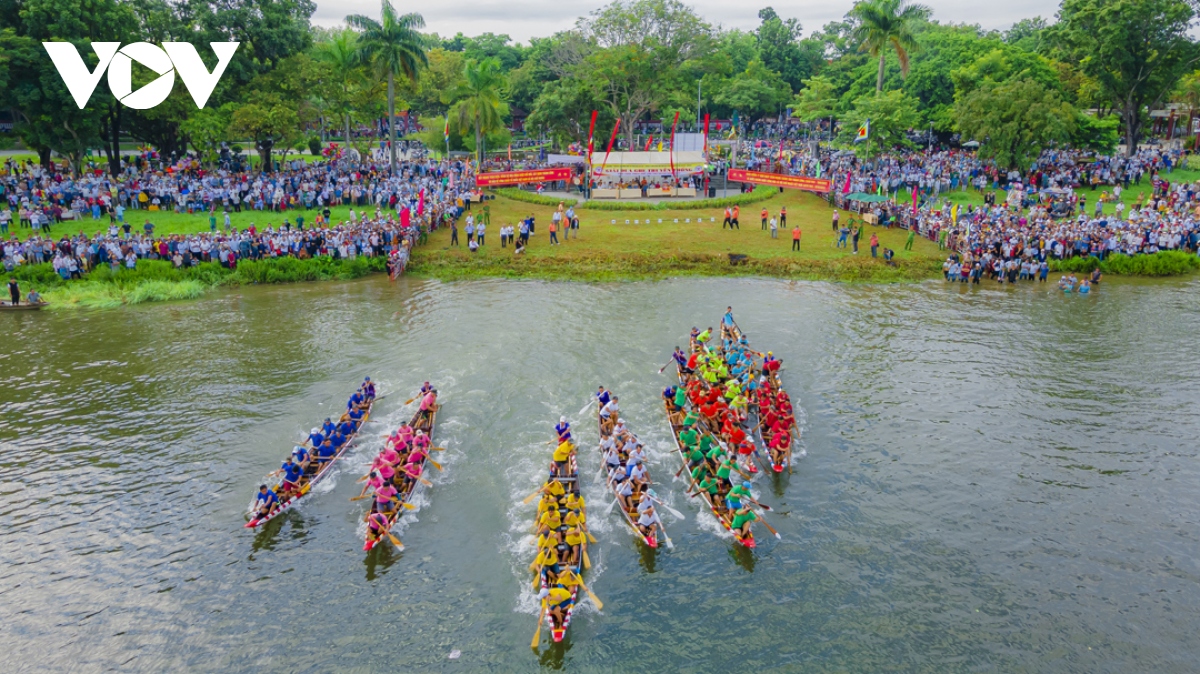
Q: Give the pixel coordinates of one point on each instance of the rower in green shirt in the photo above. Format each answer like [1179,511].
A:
[710,485]
[680,397]
[689,437]
[742,520]
[691,418]
[724,470]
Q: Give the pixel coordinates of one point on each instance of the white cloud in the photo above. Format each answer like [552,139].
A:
[523,19]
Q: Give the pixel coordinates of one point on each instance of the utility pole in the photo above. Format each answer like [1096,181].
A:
[699,84]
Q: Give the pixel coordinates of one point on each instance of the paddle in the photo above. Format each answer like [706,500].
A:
[769,527]
[590,537]
[529,499]
[537,636]
[660,370]
[587,563]
[666,538]
[674,512]
[608,511]
[434,463]
[420,479]
[595,600]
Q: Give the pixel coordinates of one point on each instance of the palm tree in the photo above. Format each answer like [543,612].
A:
[480,99]
[394,47]
[887,23]
[342,53]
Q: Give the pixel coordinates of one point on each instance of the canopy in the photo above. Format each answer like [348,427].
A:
[647,163]
[863,196]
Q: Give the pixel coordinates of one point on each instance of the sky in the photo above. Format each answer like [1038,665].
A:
[523,19]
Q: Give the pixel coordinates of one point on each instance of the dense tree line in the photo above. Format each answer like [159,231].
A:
[1089,79]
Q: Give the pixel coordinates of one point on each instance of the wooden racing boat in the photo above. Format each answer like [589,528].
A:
[722,514]
[563,490]
[651,539]
[310,480]
[768,396]
[419,422]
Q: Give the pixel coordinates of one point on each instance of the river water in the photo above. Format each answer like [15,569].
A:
[996,480]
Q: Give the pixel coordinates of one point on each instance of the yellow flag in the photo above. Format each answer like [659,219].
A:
[954,214]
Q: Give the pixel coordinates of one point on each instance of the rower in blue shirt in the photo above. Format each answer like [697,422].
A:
[326,452]
[301,455]
[603,396]
[327,427]
[336,440]
[346,427]
[291,476]
[355,401]
[315,437]
[727,319]
[356,417]
[680,357]
[265,502]
[563,428]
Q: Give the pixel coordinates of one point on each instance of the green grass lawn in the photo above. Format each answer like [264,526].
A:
[690,241]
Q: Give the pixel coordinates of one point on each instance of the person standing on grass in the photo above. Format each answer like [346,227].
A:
[796,238]
[212,221]
[453,233]
[774,229]
[874,244]
[854,237]
[737,211]
[728,221]
[764,215]
[553,233]
[480,230]
[835,220]
[843,232]
[783,216]
[908,243]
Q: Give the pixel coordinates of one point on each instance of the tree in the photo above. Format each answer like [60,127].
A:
[643,53]
[781,49]
[206,130]
[818,99]
[1187,94]
[342,53]
[1135,49]
[1015,120]
[754,93]
[480,100]
[394,47]
[884,24]
[269,122]
[891,114]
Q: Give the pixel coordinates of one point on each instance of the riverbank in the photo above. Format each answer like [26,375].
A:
[609,246]
[158,280]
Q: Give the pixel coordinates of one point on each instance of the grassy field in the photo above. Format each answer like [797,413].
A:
[617,245]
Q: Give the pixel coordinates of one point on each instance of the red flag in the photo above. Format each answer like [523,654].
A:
[846,187]
[510,151]
[674,125]
[421,202]
[779,157]
[591,136]
[914,201]
[706,132]
[648,142]
[611,140]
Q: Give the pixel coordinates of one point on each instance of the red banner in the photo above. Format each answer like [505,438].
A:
[496,178]
[780,180]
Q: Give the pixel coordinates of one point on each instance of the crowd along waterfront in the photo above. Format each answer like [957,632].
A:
[995,478]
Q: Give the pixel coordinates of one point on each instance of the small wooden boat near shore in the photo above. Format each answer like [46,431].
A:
[24,306]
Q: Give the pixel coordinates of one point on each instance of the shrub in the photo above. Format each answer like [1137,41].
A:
[1162,263]
[532,197]
[760,193]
